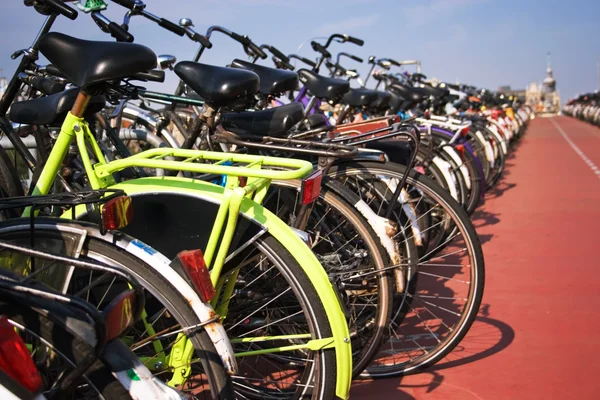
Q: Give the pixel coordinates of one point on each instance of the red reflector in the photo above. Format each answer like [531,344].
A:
[119,314]
[465,131]
[195,267]
[311,187]
[427,114]
[460,148]
[117,213]
[15,358]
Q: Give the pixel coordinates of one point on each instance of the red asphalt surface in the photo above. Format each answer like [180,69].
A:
[538,331]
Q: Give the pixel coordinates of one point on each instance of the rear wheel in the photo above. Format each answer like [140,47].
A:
[352,256]
[56,353]
[166,309]
[440,306]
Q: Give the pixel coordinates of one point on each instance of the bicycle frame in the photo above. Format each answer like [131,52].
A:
[233,200]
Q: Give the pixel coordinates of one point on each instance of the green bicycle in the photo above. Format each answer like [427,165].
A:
[272,293]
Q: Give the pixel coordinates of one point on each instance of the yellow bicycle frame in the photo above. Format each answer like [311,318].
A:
[232,199]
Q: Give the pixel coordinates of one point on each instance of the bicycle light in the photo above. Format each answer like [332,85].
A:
[15,358]
[195,269]
[311,187]
[465,130]
[117,213]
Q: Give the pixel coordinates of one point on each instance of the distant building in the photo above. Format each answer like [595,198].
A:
[544,97]
[507,90]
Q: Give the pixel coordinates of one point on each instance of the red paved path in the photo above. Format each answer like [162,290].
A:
[538,334]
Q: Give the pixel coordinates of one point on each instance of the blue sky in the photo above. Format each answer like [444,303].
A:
[483,42]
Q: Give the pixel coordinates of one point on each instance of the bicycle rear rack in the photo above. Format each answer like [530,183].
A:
[290,145]
[209,162]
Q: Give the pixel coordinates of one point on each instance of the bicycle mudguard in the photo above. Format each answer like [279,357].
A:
[202,196]
[135,377]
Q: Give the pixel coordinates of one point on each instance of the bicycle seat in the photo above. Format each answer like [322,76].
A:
[52,110]
[272,81]
[86,62]
[382,101]
[408,93]
[323,87]
[431,91]
[317,121]
[394,103]
[272,122]
[218,86]
[359,97]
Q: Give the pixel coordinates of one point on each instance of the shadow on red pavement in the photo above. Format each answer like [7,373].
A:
[488,336]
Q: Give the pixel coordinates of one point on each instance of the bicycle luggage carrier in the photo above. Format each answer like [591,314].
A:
[209,162]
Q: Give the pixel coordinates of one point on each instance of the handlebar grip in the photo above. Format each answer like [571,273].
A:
[321,49]
[394,62]
[307,61]
[62,9]
[125,3]
[203,40]
[176,29]
[279,54]
[355,58]
[257,50]
[356,41]
[52,70]
[46,85]
[119,33]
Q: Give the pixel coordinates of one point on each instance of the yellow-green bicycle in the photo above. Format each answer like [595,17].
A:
[281,312]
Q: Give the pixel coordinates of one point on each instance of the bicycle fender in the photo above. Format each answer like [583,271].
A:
[161,264]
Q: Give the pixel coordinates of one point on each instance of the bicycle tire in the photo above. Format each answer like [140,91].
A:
[66,345]
[325,364]
[344,206]
[476,263]
[163,291]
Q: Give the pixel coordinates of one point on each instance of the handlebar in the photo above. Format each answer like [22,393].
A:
[356,41]
[62,9]
[137,7]
[171,26]
[249,45]
[282,58]
[47,7]
[126,3]
[303,59]
[46,85]
[318,47]
[110,27]
[344,38]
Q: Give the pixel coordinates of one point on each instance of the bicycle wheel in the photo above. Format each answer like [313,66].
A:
[443,300]
[352,256]
[167,311]
[57,352]
[260,283]
[472,164]
[274,307]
